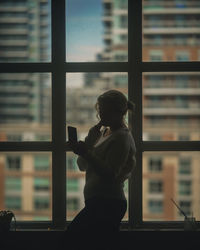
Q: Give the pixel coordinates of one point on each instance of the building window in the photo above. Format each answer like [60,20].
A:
[155,186]
[155,206]
[185,165]
[155,164]
[41,203]
[13,183]
[156,55]
[72,184]
[13,163]
[72,204]
[182,56]
[186,207]
[41,184]
[185,187]
[13,202]
[71,163]
[41,162]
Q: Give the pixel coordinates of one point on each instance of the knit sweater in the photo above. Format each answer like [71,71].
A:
[108,164]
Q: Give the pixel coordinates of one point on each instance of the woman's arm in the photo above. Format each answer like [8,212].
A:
[92,136]
[82,163]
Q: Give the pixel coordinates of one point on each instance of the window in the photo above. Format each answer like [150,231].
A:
[41,162]
[156,55]
[41,184]
[65,67]
[155,206]
[185,166]
[155,164]
[185,187]
[155,186]
[13,184]
[13,202]
[72,204]
[41,203]
[182,56]
[13,163]
[72,184]
[186,207]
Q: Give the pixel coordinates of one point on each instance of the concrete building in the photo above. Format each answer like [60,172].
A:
[24,37]
[170,112]
[170,100]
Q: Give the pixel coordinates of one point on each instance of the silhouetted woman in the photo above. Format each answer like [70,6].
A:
[108,157]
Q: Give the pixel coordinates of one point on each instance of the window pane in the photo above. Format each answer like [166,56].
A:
[97,30]
[75,185]
[25,106]
[82,93]
[171,106]
[159,187]
[23,189]
[171,30]
[25,31]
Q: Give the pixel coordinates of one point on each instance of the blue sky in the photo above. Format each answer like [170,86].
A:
[84,29]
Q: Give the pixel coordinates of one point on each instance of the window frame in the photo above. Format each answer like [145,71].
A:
[58,67]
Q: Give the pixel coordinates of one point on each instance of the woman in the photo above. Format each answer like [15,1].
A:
[108,157]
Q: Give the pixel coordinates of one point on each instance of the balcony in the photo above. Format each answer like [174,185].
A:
[171,91]
[171,24]
[12,8]
[170,111]
[161,10]
[20,31]
[16,89]
[13,42]
[170,4]
[11,99]
[13,20]
[20,54]
[14,111]
[191,30]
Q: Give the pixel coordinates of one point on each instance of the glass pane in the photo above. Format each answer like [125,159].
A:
[170,175]
[25,191]
[97,30]
[25,106]
[171,106]
[171,30]
[82,93]
[25,31]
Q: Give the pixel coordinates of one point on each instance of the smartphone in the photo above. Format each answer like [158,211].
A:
[72,134]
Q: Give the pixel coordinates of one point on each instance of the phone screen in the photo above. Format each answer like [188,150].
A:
[72,134]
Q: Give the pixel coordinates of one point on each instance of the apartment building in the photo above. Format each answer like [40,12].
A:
[171,100]
[171,104]
[25,108]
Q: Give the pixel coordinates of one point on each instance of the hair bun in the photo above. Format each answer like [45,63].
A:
[131,106]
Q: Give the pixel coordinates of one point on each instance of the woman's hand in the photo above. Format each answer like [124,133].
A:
[79,148]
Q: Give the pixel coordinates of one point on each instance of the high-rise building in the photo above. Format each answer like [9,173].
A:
[24,37]
[171,104]
[25,108]
[171,101]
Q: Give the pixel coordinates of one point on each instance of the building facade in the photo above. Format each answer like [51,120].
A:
[171,103]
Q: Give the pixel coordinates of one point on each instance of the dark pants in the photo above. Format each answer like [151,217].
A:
[99,214]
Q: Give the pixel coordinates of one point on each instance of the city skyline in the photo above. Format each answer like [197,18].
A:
[170,106]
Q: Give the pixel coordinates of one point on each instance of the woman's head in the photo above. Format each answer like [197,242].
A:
[112,107]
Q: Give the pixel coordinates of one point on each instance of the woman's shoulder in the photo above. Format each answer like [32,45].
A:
[122,133]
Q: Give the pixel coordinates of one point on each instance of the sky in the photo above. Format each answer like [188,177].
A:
[84,34]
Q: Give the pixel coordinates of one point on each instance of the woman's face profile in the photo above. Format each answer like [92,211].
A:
[107,115]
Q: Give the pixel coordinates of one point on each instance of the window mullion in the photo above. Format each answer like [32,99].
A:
[135,94]
[58,114]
